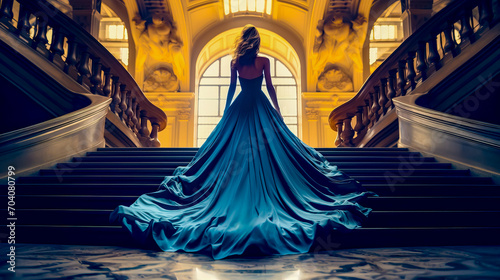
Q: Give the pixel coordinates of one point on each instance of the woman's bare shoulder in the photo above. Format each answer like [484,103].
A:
[262,58]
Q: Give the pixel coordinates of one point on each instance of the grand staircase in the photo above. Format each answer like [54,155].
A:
[421,201]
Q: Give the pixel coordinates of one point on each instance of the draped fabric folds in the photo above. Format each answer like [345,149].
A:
[253,188]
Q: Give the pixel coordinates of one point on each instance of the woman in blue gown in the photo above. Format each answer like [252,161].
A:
[253,188]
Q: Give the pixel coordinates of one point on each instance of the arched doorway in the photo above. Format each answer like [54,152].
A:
[212,95]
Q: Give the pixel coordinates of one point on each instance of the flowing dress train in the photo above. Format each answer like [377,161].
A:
[252,188]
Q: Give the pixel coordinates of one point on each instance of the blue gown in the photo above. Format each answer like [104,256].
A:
[253,188]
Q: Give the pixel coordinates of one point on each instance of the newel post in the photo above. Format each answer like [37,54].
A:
[348,134]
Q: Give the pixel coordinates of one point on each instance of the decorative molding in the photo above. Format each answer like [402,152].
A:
[334,79]
[312,113]
[184,114]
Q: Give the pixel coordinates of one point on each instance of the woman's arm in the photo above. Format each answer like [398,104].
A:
[269,85]
[232,88]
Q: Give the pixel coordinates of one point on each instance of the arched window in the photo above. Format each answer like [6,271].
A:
[245,6]
[214,84]
[113,34]
[386,35]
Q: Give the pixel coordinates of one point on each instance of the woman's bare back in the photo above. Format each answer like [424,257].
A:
[252,71]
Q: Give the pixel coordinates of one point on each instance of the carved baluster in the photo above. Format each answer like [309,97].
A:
[155,127]
[134,119]
[96,78]
[391,91]
[450,45]
[56,47]
[485,11]
[347,133]
[371,113]
[410,71]
[375,106]
[138,117]
[6,10]
[115,104]
[123,104]
[382,100]
[23,25]
[41,33]
[359,120]
[83,66]
[401,78]
[129,111]
[466,30]
[106,90]
[433,58]
[421,64]
[370,106]
[71,58]
[144,132]
[338,140]
[366,117]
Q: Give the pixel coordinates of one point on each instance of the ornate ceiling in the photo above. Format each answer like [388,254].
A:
[199,21]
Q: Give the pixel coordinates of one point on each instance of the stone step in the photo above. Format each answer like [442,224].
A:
[341,165]
[169,171]
[152,179]
[140,188]
[394,203]
[412,160]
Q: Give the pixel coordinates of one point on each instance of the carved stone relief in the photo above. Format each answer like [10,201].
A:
[159,44]
[338,44]
[334,79]
[161,79]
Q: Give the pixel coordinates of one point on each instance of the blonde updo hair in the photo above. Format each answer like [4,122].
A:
[247,46]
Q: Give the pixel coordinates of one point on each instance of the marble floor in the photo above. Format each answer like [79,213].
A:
[91,262]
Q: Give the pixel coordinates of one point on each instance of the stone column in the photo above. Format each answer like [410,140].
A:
[87,13]
[414,14]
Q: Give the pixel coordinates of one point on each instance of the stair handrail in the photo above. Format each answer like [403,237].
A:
[409,65]
[86,60]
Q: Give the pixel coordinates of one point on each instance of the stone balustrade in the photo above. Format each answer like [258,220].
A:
[81,56]
[424,53]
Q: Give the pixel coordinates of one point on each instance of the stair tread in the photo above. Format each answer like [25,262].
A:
[369,198]
[192,153]
[157,185]
[357,229]
[372,212]
[160,176]
[169,171]
[162,169]
[193,148]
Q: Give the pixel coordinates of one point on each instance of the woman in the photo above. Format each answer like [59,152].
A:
[253,188]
